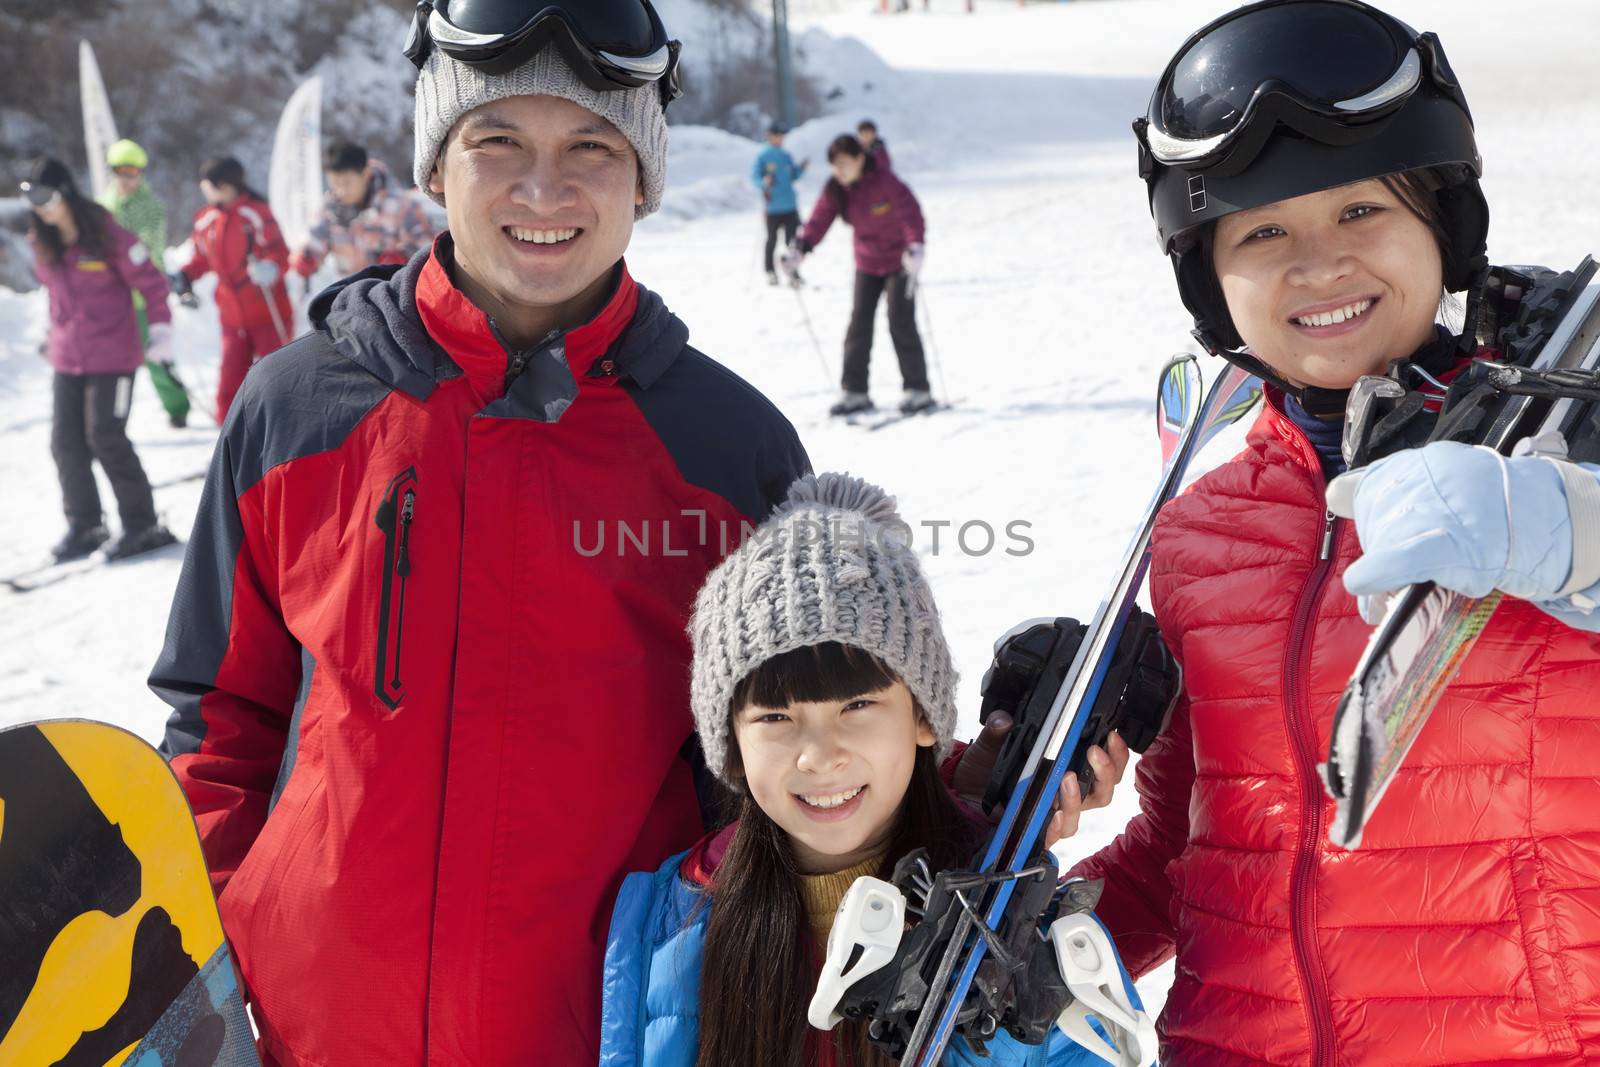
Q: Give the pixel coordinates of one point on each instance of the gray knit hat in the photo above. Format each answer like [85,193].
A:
[447,90]
[833,563]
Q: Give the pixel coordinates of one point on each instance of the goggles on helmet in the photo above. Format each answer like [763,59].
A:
[1324,69]
[610,44]
[40,195]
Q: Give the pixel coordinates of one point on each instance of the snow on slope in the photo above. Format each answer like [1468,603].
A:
[1046,308]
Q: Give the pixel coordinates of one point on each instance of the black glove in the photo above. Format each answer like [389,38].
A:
[178,282]
[1029,667]
[803,246]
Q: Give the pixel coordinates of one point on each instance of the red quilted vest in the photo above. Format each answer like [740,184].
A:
[1466,928]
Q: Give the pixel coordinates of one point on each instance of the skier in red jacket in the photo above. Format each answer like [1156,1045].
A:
[236,236]
[1313,224]
[436,599]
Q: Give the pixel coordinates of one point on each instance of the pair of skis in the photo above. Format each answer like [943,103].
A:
[1419,646]
[1188,417]
[873,421]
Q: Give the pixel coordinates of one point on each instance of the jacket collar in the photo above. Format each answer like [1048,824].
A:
[373,318]
[1275,421]
[469,336]
[699,867]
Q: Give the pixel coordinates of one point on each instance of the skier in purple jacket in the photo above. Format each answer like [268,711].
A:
[877,147]
[888,247]
[91,267]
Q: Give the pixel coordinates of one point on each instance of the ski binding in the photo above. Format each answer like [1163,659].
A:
[1068,979]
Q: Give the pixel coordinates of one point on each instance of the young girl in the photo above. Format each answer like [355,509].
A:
[91,268]
[1313,174]
[888,247]
[823,693]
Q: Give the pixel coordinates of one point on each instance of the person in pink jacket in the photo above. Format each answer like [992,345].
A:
[91,267]
[888,246]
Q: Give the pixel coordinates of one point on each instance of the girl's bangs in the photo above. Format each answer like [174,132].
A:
[828,671]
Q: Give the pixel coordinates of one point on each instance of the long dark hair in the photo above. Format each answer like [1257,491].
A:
[89,218]
[845,145]
[757,973]
[225,170]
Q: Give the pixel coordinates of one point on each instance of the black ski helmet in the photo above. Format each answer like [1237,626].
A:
[1282,98]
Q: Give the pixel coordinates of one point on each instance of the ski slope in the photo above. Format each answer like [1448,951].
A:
[1046,309]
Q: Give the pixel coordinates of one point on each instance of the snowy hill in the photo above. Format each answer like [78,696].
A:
[190,79]
[1048,308]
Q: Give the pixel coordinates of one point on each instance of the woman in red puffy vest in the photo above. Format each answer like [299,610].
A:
[1313,174]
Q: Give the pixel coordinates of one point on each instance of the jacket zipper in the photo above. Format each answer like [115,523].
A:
[1302,892]
[402,567]
[396,513]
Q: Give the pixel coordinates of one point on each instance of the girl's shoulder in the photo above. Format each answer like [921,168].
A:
[118,236]
[678,885]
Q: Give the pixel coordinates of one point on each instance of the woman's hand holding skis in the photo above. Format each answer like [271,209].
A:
[1471,520]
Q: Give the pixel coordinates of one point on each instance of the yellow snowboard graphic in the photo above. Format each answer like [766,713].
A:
[108,928]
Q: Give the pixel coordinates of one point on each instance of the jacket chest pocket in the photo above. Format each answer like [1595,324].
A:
[396,514]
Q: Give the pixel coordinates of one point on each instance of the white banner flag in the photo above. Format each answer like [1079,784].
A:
[294,186]
[99,128]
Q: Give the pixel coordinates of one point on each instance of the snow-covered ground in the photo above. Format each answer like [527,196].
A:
[1047,311]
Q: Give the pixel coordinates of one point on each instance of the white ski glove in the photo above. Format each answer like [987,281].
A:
[1472,520]
[911,260]
[158,348]
[263,272]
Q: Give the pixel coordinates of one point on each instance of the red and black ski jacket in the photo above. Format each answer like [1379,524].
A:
[428,659]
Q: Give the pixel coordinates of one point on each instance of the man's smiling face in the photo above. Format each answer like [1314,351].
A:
[540,194]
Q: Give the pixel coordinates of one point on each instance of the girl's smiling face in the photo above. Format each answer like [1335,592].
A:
[832,773]
[1329,286]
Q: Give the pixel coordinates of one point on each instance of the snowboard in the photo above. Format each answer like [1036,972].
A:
[113,950]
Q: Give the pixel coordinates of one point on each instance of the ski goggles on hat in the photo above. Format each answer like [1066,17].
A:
[127,171]
[611,44]
[1324,68]
[40,195]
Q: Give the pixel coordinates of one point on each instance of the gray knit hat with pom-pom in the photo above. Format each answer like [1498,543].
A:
[833,563]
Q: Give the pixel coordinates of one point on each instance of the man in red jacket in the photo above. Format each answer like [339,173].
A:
[236,236]
[427,660]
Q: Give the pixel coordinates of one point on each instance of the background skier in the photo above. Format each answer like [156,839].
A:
[774,173]
[137,209]
[877,148]
[1312,241]
[236,237]
[888,252]
[365,219]
[397,661]
[91,267]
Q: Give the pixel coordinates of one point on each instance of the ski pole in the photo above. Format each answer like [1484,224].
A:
[277,319]
[805,317]
[933,347]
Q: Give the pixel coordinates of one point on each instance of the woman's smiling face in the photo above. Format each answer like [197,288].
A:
[1329,286]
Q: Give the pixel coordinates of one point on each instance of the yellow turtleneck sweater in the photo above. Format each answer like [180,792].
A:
[820,894]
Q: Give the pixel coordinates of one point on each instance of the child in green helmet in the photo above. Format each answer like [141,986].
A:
[136,208]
